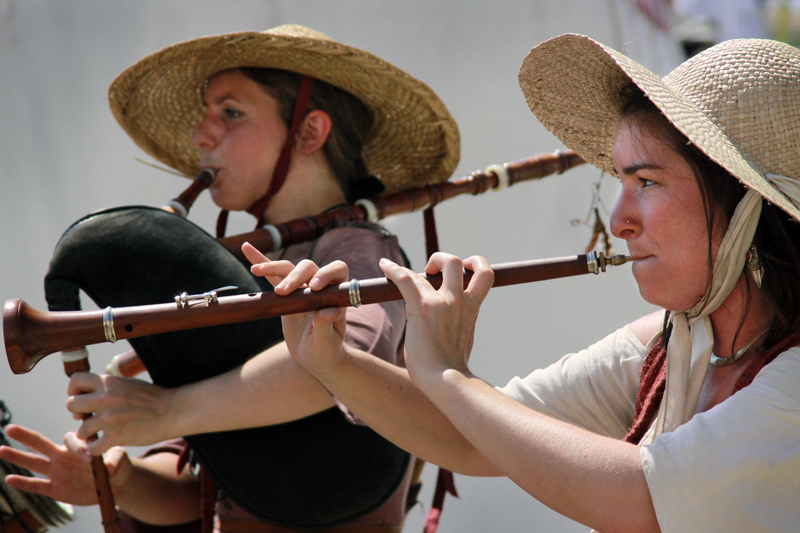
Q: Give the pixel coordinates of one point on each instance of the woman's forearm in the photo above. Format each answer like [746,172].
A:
[383,396]
[153,482]
[271,388]
[595,480]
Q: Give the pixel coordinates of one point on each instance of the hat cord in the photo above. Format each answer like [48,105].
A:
[284,160]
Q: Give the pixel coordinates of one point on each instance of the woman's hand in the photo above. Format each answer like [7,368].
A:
[128,412]
[441,323]
[315,339]
[67,468]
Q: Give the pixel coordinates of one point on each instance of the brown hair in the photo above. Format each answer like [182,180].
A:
[777,236]
[351,121]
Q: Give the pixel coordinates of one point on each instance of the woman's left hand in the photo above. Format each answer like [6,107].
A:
[441,323]
[315,339]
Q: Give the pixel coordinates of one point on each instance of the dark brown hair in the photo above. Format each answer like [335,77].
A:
[351,121]
[777,236]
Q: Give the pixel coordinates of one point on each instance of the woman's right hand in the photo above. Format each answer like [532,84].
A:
[315,339]
[441,323]
[66,468]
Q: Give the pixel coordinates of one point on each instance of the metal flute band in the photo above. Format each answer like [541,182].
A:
[31,335]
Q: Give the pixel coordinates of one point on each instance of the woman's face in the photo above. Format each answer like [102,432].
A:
[241,136]
[660,214]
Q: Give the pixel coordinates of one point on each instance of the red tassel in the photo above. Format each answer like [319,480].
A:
[444,483]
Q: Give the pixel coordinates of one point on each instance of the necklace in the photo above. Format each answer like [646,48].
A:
[725,361]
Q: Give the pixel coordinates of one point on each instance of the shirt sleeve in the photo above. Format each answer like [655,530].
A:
[375,328]
[594,389]
[735,467]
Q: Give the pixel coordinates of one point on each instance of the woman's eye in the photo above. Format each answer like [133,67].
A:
[232,113]
[646,182]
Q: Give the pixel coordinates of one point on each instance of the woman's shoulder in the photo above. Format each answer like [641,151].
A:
[647,327]
[361,246]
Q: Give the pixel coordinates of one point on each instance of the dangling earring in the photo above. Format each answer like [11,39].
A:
[753,263]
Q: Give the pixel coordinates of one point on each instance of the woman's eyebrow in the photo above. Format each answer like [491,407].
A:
[220,99]
[636,167]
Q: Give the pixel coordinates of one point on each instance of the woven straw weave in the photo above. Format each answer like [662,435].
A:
[158,101]
[738,101]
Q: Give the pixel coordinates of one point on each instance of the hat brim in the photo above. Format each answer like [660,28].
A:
[158,101]
[572,84]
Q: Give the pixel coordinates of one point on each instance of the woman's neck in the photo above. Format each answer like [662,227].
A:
[728,317]
[310,189]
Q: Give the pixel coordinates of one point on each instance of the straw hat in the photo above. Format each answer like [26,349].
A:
[158,101]
[739,102]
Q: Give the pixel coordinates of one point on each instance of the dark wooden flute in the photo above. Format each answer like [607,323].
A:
[31,334]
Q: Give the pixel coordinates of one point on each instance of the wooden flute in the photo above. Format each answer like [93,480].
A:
[31,334]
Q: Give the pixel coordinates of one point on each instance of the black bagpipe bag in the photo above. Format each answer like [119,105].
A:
[313,473]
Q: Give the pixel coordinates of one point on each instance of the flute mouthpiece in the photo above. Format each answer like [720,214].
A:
[207,174]
[617,260]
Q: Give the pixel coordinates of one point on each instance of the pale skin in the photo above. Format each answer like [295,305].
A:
[139,485]
[440,411]
[240,136]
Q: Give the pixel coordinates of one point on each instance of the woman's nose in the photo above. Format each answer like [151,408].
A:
[205,136]
[623,222]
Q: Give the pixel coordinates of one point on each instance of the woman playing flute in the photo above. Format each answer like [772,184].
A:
[292,123]
[685,420]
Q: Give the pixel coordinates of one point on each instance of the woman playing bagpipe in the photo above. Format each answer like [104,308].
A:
[290,123]
[684,420]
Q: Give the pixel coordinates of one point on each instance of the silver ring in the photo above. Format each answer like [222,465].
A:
[354,290]
[108,324]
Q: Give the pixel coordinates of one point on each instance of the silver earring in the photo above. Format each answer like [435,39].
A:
[753,263]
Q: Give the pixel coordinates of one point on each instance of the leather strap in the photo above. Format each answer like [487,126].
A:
[23,523]
[232,525]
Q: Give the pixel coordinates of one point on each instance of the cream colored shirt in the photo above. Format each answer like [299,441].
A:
[734,468]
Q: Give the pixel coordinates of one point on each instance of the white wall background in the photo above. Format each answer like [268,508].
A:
[62,155]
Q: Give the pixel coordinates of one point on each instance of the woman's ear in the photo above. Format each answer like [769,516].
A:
[313,132]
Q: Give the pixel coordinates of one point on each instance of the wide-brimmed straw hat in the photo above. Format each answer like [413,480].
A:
[158,100]
[738,102]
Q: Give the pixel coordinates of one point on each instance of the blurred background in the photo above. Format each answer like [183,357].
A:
[62,156]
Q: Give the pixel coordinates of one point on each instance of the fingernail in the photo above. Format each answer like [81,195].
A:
[281,285]
[315,283]
[383,261]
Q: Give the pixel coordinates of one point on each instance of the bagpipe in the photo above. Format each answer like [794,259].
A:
[309,474]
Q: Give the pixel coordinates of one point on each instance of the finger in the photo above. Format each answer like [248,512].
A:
[28,460]
[30,484]
[274,271]
[409,283]
[82,405]
[77,447]
[83,382]
[452,269]
[482,278]
[329,315]
[332,273]
[253,254]
[297,278]
[31,439]
[112,459]
[88,429]
[99,446]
